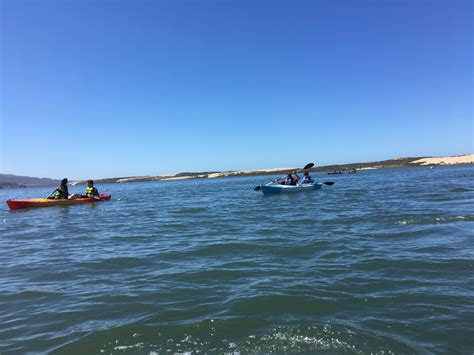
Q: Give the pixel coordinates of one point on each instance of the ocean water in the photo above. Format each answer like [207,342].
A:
[381,262]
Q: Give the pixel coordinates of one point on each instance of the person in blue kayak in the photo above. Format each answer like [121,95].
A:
[307,179]
[290,180]
[91,191]
[61,192]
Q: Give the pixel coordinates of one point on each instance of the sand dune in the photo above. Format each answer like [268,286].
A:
[460,159]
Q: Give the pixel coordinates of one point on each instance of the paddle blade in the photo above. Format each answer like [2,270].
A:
[329,183]
[308,166]
[257,188]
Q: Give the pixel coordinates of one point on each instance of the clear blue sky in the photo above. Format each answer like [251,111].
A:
[117,88]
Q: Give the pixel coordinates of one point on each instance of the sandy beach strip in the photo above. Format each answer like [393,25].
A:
[460,159]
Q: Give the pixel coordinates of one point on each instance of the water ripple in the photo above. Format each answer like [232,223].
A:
[381,262]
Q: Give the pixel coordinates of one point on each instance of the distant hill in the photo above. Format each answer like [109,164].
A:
[15,181]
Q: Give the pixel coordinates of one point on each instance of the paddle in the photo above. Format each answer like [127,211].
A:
[307,166]
[329,183]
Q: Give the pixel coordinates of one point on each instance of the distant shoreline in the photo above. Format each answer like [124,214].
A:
[384,164]
[13,181]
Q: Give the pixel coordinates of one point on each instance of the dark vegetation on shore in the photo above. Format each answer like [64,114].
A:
[382,164]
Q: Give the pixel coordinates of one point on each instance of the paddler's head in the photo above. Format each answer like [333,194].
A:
[64,182]
[306,173]
[90,183]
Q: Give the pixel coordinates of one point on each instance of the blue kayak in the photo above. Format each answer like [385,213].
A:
[273,188]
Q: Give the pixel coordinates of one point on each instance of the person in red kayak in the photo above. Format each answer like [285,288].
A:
[91,191]
[61,192]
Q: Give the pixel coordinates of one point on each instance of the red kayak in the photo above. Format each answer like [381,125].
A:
[46,202]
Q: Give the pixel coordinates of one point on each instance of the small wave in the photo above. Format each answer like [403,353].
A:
[268,305]
[222,248]
[28,295]
[234,337]
[306,221]
[413,265]
[434,220]
[461,189]
[190,210]
[267,231]
[114,263]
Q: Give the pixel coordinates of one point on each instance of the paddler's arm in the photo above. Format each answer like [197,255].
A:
[51,194]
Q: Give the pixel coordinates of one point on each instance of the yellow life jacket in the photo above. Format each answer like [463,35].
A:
[60,194]
[89,191]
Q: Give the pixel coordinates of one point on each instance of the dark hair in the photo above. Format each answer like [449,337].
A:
[63,181]
[306,173]
[90,182]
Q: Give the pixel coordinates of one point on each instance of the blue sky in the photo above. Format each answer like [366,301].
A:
[118,88]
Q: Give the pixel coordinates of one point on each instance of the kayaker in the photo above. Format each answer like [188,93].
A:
[290,180]
[61,191]
[306,179]
[91,191]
